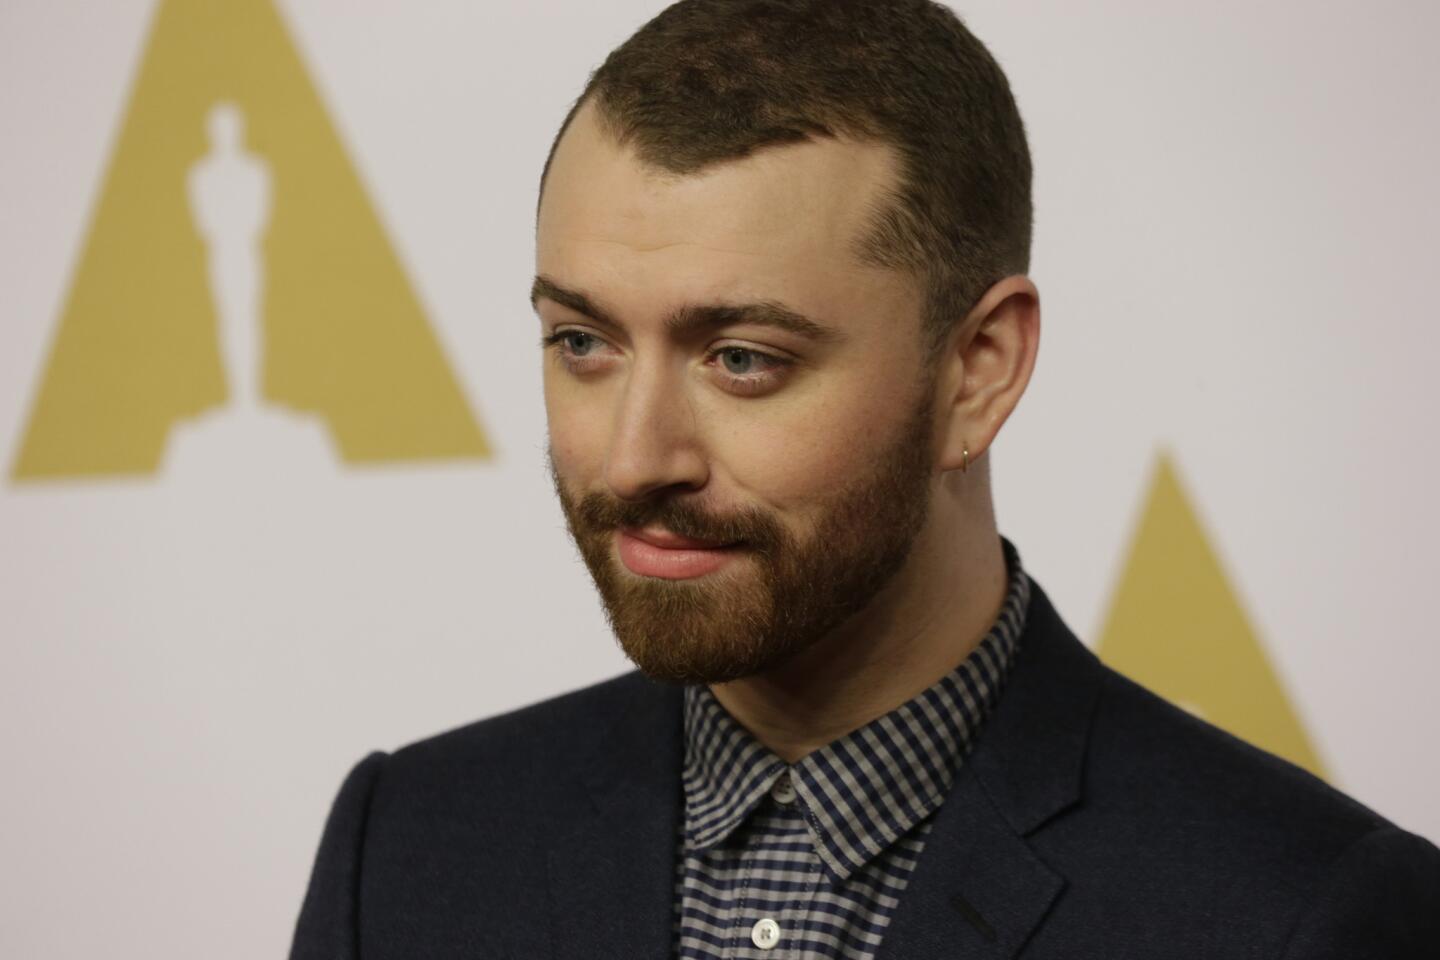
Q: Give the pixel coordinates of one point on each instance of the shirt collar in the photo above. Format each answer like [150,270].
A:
[864,791]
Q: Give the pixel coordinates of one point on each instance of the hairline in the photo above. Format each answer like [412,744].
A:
[875,245]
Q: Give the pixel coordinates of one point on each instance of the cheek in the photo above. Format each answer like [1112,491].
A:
[578,428]
[796,457]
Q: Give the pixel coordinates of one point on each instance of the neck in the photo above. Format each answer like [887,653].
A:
[918,628]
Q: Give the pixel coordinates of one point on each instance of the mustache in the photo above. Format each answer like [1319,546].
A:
[601,513]
[598,513]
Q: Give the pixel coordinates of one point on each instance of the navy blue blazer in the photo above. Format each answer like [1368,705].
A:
[1091,820]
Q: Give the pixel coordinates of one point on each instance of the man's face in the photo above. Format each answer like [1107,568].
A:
[740,429]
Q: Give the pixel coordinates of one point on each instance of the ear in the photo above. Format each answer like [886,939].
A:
[984,368]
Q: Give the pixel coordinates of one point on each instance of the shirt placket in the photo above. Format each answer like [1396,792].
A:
[775,927]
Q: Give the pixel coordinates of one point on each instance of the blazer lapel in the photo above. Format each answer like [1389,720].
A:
[979,889]
[612,869]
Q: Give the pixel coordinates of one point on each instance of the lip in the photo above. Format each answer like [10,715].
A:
[660,537]
[660,553]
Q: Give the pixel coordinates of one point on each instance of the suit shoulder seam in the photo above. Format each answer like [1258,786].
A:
[1327,877]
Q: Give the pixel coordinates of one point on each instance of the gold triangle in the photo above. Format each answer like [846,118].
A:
[136,347]
[1176,627]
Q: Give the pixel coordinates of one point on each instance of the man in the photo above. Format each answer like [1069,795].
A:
[781,256]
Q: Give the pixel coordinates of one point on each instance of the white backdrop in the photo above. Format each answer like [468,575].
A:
[1237,211]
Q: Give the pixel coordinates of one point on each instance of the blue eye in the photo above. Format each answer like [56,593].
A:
[738,360]
[748,372]
[579,342]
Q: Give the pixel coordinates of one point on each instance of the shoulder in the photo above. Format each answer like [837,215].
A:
[1147,754]
[1186,840]
[529,747]
[1159,778]
[500,792]
[1195,816]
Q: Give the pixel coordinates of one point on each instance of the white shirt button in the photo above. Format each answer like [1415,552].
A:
[783,791]
[765,934]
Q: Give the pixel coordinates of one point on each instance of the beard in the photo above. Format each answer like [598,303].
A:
[783,594]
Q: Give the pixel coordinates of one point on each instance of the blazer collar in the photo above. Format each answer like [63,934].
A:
[979,890]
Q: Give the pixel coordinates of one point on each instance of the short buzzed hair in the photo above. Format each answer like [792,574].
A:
[707,81]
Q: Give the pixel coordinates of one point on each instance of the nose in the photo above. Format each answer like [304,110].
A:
[656,443]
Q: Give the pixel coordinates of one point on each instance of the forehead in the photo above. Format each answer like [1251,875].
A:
[783,221]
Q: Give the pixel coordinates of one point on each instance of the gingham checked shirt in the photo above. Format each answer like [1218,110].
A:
[810,860]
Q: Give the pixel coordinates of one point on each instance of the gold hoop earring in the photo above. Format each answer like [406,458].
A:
[965,452]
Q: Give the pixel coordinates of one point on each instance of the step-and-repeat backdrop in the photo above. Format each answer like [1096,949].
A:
[215,600]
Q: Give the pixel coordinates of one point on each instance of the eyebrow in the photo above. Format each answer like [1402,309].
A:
[546,289]
[696,318]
